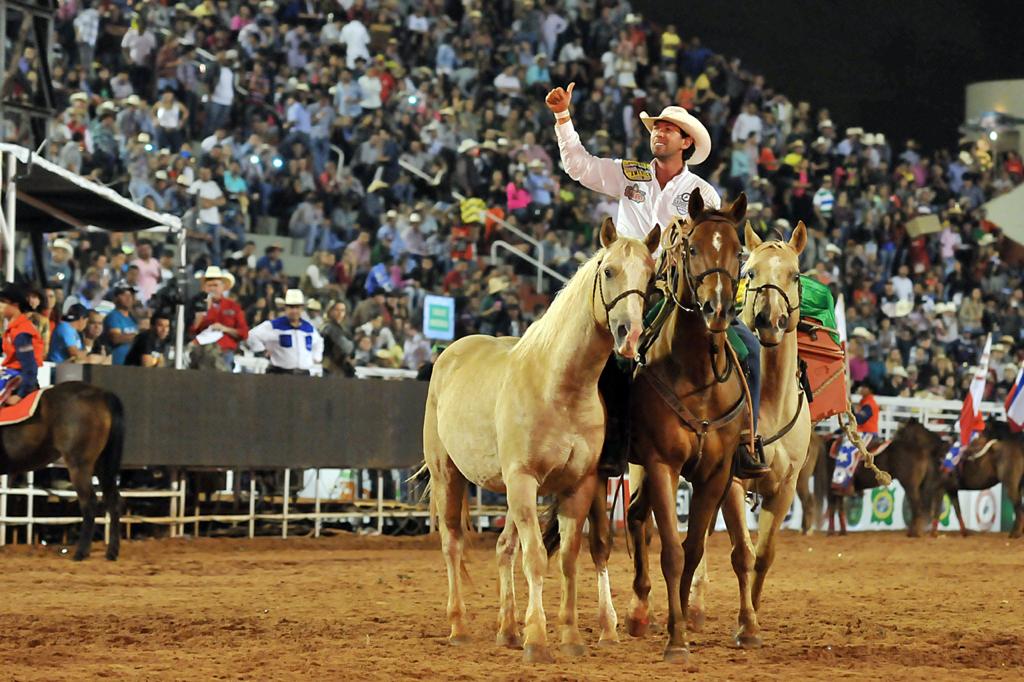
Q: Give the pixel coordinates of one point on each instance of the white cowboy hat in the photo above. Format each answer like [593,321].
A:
[879,139]
[496,284]
[942,308]
[415,218]
[966,158]
[62,244]
[898,309]
[214,272]
[79,96]
[466,145]
[313,304]
[689,125]
[183,181]
[986,240]
[827,123]
[899,371]
[868,140]
[862,333]
[832,248]
[850,132]
[292,297]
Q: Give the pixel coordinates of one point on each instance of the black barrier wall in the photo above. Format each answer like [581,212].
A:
[193,419]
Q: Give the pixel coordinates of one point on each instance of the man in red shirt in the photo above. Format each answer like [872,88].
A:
[22,347]
[221,327]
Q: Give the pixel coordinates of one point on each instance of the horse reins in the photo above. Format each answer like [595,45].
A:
[790,308]
[599,288]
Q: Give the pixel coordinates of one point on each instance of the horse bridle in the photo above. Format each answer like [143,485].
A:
[599,287]
[790,308]
[693,281]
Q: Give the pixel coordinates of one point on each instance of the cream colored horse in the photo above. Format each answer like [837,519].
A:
[772,309]
[523,416]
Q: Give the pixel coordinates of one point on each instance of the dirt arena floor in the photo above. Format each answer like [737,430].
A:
[867,606]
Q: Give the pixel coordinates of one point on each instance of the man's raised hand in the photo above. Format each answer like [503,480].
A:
[558,100]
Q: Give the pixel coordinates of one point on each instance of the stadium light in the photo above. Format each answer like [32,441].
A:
[278,162]
[254,160]
[993,136]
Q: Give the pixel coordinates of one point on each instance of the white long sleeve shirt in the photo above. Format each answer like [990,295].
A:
[288,347]
[643,202]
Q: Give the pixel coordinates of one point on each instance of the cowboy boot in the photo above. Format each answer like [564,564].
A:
[750,464]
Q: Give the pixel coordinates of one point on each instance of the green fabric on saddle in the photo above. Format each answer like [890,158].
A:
[734,339]
[816,302]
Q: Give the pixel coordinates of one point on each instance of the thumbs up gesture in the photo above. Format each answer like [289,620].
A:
[558,100]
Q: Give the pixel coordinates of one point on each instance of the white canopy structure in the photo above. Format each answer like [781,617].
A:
[1007,211]
[39,196]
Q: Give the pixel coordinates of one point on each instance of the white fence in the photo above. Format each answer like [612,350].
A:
[318,500]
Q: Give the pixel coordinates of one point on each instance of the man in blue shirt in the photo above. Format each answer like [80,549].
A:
[119,325]
[66,343]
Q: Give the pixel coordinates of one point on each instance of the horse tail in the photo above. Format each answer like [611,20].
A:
[552,536]
[109,463]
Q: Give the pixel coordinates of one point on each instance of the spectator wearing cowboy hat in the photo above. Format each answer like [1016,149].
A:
[223,315]
[22,347]
[66,344]
[59,270]
[120,326]
[292,343]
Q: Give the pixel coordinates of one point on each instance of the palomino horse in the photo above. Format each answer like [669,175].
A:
[995,456]
[523,416]
[685,406]
[771,307]
[912,458]
[84,425]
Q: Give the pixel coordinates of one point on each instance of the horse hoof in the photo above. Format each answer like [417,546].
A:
[509,641]
[112,556]
[638,627]
[609,643]
[80,556]
[573,650]
[459,640]
[676,654]
[537,653]
[695,620]
[748,641]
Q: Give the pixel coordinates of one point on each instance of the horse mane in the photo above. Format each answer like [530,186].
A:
[574,296]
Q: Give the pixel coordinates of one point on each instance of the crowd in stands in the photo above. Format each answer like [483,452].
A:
[354,125]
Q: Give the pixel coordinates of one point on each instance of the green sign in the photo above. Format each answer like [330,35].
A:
[439,317]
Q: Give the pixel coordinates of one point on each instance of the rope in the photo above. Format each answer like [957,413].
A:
[846,422]
[746,396]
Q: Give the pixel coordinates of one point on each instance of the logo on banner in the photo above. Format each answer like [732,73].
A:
[854,510]
[883,503]
[944,515]
[985,510]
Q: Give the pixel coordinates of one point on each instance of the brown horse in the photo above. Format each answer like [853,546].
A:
[995,456]
[912,458]
[84,426]
[810,500]
[685,409]
[771,308]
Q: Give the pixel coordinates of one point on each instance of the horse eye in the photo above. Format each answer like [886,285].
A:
[608,273]
[796,277]
[693,250]
[750,274]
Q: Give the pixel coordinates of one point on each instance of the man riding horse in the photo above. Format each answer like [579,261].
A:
[651,194]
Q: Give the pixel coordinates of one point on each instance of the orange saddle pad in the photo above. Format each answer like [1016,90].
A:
[12,414]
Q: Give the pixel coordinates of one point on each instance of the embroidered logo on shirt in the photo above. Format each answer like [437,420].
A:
[637,171]
[682,204]
[634,193]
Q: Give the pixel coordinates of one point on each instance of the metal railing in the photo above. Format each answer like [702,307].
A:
[500,244]
[538,245]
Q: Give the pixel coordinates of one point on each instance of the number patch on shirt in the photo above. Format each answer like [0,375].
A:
[637,171]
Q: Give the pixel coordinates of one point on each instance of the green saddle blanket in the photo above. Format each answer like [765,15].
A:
[816,301]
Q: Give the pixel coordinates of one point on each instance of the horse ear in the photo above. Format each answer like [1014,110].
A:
[695,206]
[799,239]
[751,239]
[608,232]
[738,210]
[653,239]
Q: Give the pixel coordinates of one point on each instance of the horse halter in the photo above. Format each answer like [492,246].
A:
[790,308]
[599,286]
[694,281]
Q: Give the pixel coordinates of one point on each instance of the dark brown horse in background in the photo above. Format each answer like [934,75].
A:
[995,456]
[84,426]
[913,459]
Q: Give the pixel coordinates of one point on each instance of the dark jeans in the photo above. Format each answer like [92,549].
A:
[751,365]
[614,385]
